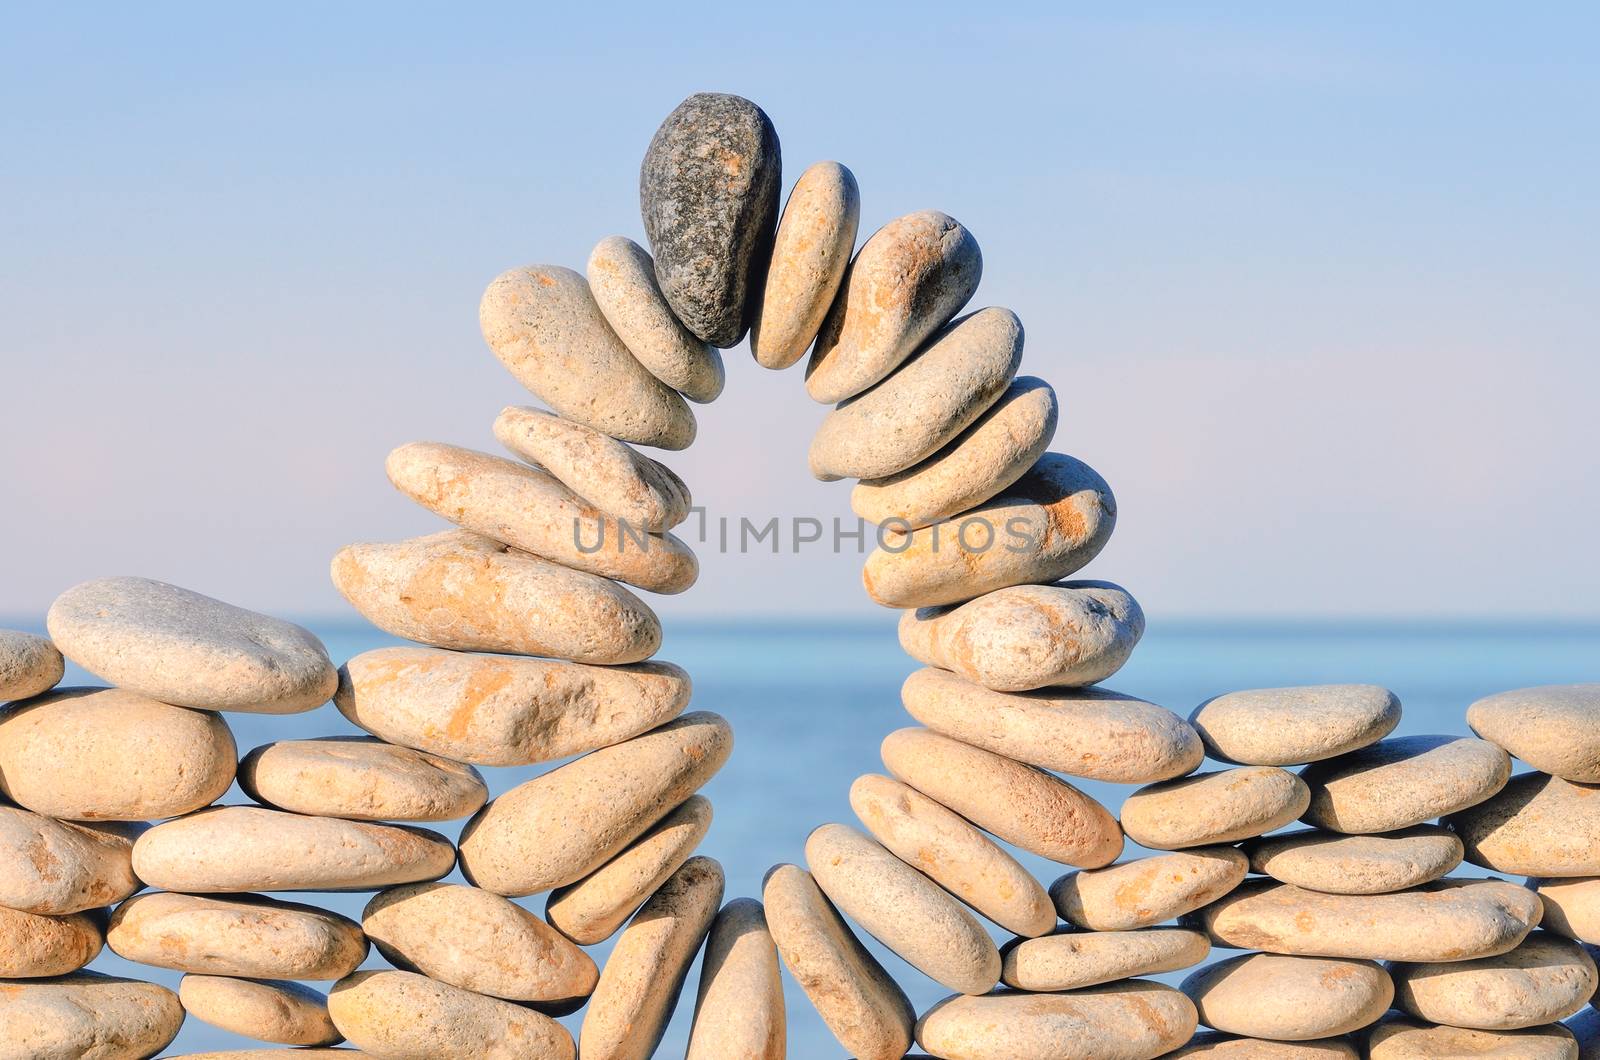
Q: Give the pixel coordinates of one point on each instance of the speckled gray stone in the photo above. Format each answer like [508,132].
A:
[809,256]
[1132,1020]
[1538,825]
[1397,783]
[86,1016]
[1293,726]
[622,278]
[1356,864]
[708,192]
[29,665]
[1398,1037]
[1069,960]
[1545,979]
[1553,728]
[1270,995]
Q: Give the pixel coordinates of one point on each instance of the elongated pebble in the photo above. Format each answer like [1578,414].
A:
[247,848]
[1571,906]
[559,827]
[404,1015]
[464,591]
[35,947]
[1146,891]
[1553,728]
[271,1010]
[1398,783]
[1537,826]
[622,279]
[1356,864]
[1132,1020]
[1022,805]
[1085,732]
[239,935]
[810,253]
[1400,1037]
[29,665]
[1207,808]
[1293,726]
[1235,1047]
[1069,960]
[739,1009]
[105,754]
[1545,979]
[57,867]
[86,1016]
[1269,995]
[362,779]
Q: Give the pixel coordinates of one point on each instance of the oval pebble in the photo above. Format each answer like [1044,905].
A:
[241,935]
[622,279]
[1132,1020]
[467,592]
[57,867]
[401,1014]
[739,1011]
[1538,826]
[271,1010]
[906,282]
[1207,808]
[1394,784]
[809,256]
[1293,726]
[1146,891]
[1356,864]
[1571,906]
[1269,995]
[542,323]
[1545,979]
[86,1016]
[29,665]
[1084,732]
[362,779]
[1401,1038]
[106,754]
[189,650]
[36,947]
[1073,959]
[1022,805]
[1232,1047]
[559,827]
[247,848]
[1553,728]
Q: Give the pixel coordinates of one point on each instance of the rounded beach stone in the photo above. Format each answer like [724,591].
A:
[739,1009]
[1356,864]
[863,1007]
[906,282]
[271,1010]
[1292,726]
[591,910]
[1085,732]
[622,279]
[1448,920]
[1220,807]
[708,192]
[1232,1047]
[990,455]
[1073,959]
[1048,524]
[467,592]
[1146,891]
[57,867]
[1571,906]
[86,1016]
[401,1014]
[644,973]
[29,665]
[1029,636]
[360,778]
[1269,995]
[247,848]
[1402,1038]
[561,826]
[189,650]
[611,475]
[1132,1020]
[953,854]
[934,396]
[1394,784]
[35,947]
[1538,825]
[1545,979]
[903,909]
[106,754]
[809,256]
[1553,728]
[1022,805]
[241,935]
[542,323]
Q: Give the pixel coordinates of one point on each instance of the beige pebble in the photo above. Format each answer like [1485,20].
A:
[906,281]
[1545,979]
[1292,726]
[57,867]
[1207,808]
[271,1010]
[477,941]
[1356,864]
[809,256]
[1554,728]
[591,910]
[952,853]
[1073,959]
[622,279]
[561,826]
[611,475]
[1402,1038]
[1538,826]
[404,1016]
[1270,995]
[1132,1020]
[464,591]
[1084,732]
[739,1011]
[903,909]
[1571,906]
[1447,920]
[1146,891]
[240,935]
[106,754]
[1233,1047]
[362,779]
[1022,805]
[864,1008]
[247,848]
[86,1016]
[644,973]
[1394,784]
[543,324]
[29,665]
[1049,523]
[976,466]
[35,947]
[926,402]
[1029,636]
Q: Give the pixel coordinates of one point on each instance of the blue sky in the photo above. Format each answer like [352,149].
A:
[1319,287]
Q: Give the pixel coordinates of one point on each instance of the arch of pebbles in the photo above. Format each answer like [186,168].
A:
[1355,937]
